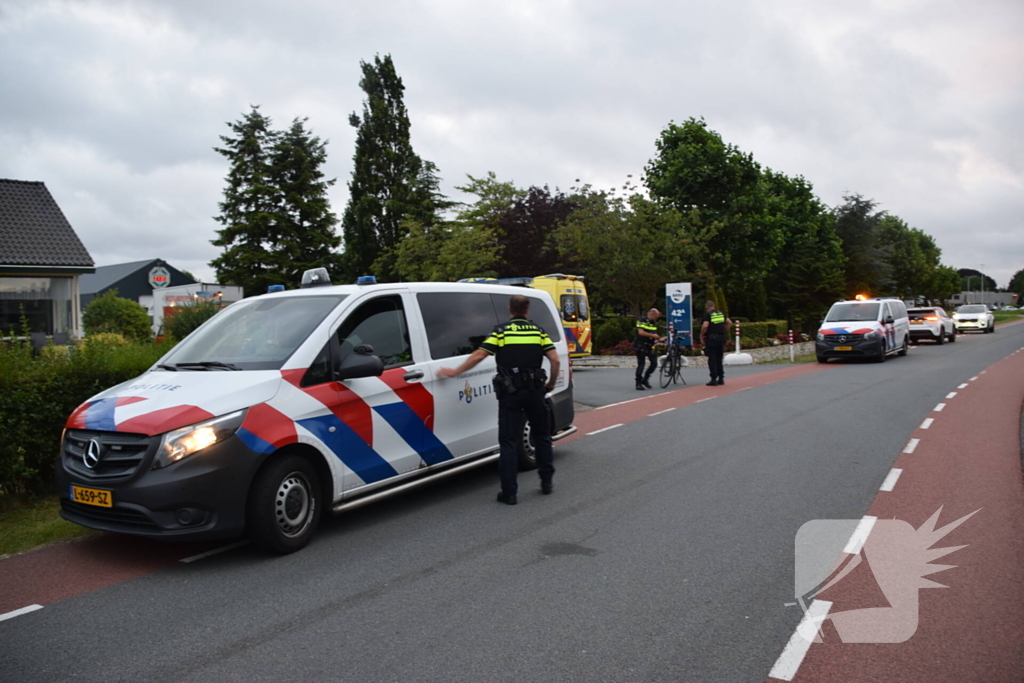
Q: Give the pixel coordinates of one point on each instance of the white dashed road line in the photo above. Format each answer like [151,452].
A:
[927,422]
[796,649]
[951,394]
[705,399]
[860,535]
[19,612]
[973,378]
[890,481]
[598,431]
[622,403]
[938,408]
[962,386]
[911,445]
[661,412]
[215,551]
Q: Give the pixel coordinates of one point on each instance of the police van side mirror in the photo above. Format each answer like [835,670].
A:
[889,320]
[356,365]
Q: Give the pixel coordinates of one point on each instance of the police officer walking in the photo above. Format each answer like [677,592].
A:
[519,348]
[713,332]
[646,335]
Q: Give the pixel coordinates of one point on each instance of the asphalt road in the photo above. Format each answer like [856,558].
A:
[665,554]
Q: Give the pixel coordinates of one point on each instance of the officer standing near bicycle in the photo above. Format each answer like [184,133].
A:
[519,348]
[713,332]
[646,335]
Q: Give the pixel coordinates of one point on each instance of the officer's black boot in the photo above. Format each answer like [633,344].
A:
[639,385]
[647,381]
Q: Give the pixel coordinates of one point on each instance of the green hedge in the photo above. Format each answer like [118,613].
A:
[766,328]
[37,394]
[611,331]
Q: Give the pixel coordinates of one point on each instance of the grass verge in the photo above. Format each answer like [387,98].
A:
[1007,316]
[27,523]
[803,358]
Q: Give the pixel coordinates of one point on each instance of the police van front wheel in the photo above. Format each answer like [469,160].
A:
[284,505]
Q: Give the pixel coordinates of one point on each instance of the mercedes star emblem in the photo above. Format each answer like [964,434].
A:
[842,340]
[91,458]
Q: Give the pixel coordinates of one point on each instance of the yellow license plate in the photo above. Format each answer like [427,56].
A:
[844,348]
[917,322]
[98,497]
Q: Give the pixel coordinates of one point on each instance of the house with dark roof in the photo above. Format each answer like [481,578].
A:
[135,280]
[41,260]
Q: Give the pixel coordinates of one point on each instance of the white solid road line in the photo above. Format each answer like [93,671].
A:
[598,431]
[215,551]
[890,481]
[927,422]
[951,394]
[911,445]
[19,612]
[938,408]
[796,649]
[705,399]
[962,386]
[661,412]
[860,535]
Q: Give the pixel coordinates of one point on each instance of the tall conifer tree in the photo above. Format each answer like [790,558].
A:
[389,181]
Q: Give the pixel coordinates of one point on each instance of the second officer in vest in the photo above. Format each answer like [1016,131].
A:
[713,332]
[519,348]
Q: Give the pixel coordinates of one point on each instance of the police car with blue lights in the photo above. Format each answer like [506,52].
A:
[293,402]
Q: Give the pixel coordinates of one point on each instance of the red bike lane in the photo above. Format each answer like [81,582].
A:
[965,457]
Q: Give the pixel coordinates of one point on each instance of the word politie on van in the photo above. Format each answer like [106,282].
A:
[470,392]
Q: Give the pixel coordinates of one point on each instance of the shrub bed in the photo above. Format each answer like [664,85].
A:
[37,394]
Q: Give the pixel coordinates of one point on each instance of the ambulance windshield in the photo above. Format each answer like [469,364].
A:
[853,312]
[260,334]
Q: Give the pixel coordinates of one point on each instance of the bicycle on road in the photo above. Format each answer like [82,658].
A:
[673,362]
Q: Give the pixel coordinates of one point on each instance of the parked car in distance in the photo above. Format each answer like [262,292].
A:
[974,317]
[931,323]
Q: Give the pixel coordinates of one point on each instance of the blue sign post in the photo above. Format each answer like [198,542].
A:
[680,312]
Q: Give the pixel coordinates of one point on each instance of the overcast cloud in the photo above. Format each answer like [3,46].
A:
[916,104]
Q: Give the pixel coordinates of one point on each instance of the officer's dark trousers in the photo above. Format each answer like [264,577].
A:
[714,350]
[645,353]
[512,410]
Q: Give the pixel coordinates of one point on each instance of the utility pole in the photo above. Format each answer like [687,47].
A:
[983,283]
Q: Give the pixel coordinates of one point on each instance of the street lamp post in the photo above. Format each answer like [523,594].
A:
[982,283]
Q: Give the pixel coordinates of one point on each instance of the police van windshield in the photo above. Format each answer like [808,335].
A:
[853,312]
[259,334]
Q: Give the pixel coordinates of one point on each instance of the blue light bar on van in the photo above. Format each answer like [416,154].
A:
[366,280]
[275,288]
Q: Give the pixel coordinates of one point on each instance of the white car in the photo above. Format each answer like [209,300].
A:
[974,317]
[931,323]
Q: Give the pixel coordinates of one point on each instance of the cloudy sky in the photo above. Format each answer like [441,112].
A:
[917,104]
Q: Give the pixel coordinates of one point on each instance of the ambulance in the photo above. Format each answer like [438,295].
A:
[570,297]
[287,404]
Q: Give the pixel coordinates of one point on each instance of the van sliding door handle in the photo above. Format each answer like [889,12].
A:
[414,374]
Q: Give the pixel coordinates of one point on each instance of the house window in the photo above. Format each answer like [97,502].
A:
[45,302]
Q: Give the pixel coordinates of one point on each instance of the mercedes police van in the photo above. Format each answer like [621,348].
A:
[291,402]
[864,328]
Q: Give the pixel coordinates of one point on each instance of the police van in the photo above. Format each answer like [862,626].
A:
[289,403]
[865,328]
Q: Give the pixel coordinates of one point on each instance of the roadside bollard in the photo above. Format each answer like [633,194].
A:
[791,358]
[737,336]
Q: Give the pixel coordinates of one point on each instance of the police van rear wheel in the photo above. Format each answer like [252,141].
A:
[284,505]
[527,451]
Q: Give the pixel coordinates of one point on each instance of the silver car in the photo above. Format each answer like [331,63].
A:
[974,317]
[931,323]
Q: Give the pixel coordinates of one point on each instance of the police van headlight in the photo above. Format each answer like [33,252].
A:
[870,335]
[821,336]
[181,443]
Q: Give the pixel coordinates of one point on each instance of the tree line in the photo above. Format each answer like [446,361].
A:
[756,240]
